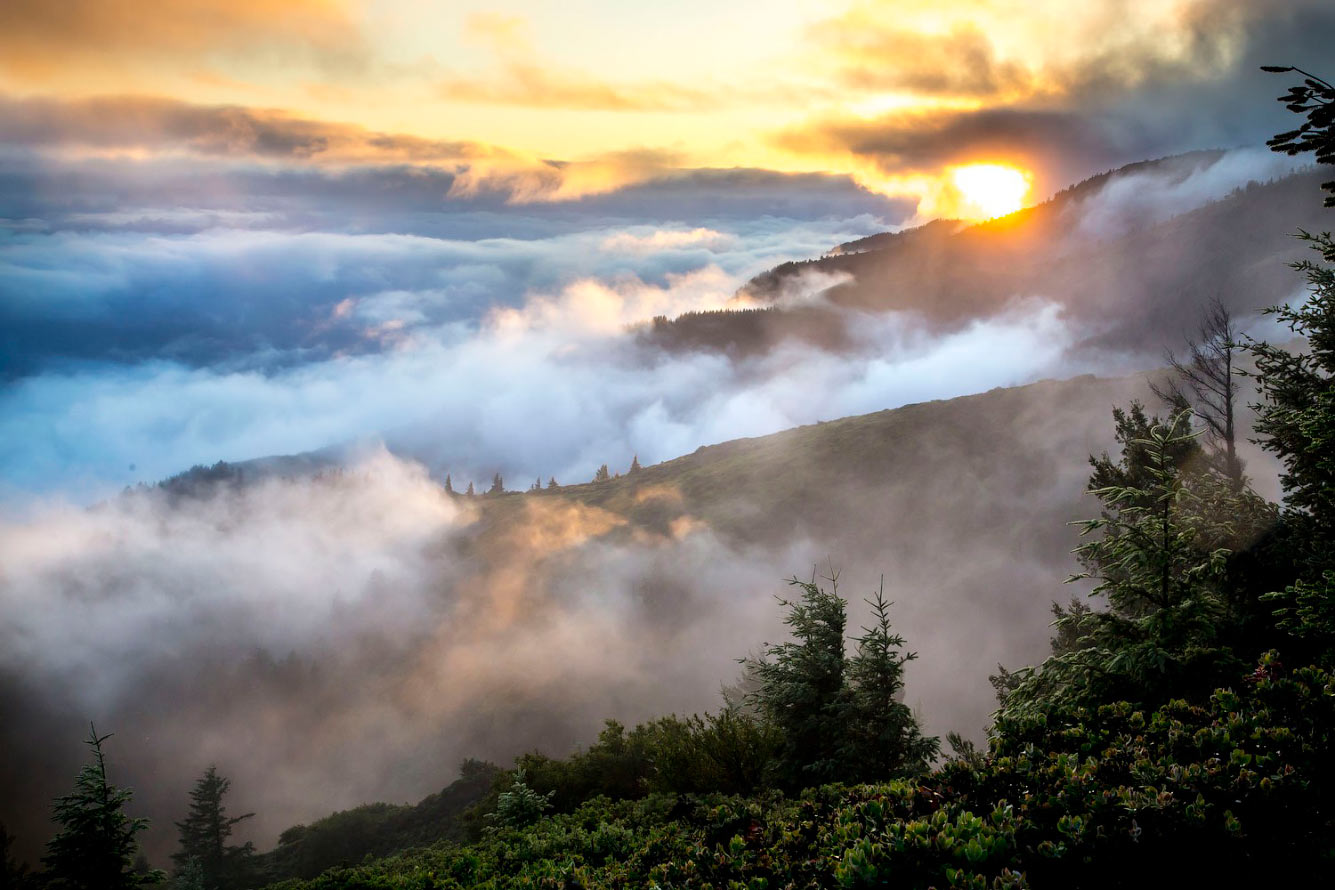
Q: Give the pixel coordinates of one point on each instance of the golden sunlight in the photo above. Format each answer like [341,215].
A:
[990,190]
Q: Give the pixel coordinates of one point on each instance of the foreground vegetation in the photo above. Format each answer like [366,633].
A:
[1183,794]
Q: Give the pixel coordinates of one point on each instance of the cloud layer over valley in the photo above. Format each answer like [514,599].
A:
[147,338]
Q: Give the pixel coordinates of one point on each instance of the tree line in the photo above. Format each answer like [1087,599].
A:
[602,474]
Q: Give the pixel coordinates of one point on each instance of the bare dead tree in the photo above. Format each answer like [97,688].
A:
[1205,378]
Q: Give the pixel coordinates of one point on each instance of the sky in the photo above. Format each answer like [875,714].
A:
[891,93]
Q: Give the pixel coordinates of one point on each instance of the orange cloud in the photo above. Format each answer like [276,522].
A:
[963,61]
[156,124]
[42,37]
[144,126]
[930,86]
[1049,48]
[566,180]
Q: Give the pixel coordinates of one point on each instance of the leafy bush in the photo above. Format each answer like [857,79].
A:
[1181,795]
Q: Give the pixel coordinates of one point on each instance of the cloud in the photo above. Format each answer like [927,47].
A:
[525,78]
[362,612]
[39,39]
[262,297]
[165,137]
[565,181]
[872,55]
[1101,90]
[159,124]
[553,388]
[1145,198]
[156,126]
[661,239]
[174,349]
[986,49]
[902,151]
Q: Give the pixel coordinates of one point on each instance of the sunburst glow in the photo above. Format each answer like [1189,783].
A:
[991,190]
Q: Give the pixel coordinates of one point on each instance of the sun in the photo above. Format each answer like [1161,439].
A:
[990,190]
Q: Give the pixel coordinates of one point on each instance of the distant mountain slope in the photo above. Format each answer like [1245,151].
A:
[857,479]
[378,829]
[964,504]
[1102,249]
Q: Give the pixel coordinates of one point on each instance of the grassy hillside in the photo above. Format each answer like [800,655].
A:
[997,476]
[376,830]
[868,475]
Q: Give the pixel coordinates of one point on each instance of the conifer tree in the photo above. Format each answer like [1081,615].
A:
[838,719]
[470,491]
[882,737]
[602,475]
[190,877]
[497,485]
[520,805]
[551,483]
[634,465]
[96,845]
[1315,100]
[1296,418]
[1158,554]
[204,833]
[449,485]
[800,685]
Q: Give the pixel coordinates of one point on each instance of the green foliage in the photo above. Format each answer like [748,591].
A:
[95,847]
[837,719]
[1296,421]
[1315,100]
[881,737]
[1176,796]
[379,829]
[1150,561]
[520,805]
[729,751]
[1162,555]
[801,686]
[204,833]
[190,876]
